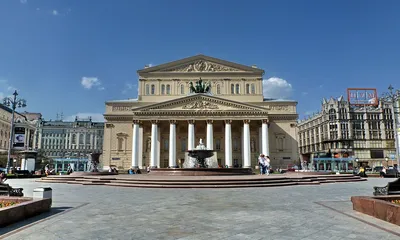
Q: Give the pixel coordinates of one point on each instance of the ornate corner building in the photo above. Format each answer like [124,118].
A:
[340,133]
[169,117]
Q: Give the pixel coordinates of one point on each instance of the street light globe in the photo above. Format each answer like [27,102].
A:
[387,159]
[356,159]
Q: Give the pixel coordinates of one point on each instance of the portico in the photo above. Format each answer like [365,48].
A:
[168,117]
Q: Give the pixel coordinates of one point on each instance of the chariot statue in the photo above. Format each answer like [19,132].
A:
[201,87]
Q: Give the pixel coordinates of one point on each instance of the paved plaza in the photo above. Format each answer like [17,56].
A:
[295,212]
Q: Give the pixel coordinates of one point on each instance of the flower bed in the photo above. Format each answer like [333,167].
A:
[386,208]
[8,203]
[15,209]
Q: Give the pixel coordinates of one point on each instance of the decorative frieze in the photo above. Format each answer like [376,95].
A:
[121,108]
[201,105]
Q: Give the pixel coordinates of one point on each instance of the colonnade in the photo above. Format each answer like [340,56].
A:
[154,154]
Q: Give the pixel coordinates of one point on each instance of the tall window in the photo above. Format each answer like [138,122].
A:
[183,145]
[182,89]
[232,88]
[147,89]
[218,89]
[162,89]
[168,89]
[153,89]
[253,89]
[73,139]
[247,88]
[120,144]
[166,145]
[218,144]
[237,88]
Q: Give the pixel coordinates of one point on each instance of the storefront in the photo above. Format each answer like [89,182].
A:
[334,164]
[77,164]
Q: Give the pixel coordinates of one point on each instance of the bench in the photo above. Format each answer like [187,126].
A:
[392,188]
[7,190]
[23,172]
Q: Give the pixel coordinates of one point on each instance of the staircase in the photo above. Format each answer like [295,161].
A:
[149,181]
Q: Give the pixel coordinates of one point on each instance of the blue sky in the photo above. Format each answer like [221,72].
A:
[309,49]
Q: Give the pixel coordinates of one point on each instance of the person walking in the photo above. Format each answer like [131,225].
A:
[262,164]
[267,165]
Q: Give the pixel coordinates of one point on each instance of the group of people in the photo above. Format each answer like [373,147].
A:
[265,164]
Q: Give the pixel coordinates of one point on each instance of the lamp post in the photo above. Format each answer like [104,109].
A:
[12,102]
[394,97]
[387,159]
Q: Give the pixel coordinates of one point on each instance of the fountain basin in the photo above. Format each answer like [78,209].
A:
[201,171]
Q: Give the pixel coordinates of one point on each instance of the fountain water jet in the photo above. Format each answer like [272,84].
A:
[200,157]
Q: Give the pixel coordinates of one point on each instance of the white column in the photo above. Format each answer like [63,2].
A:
[95,141]
[91,141]
[228,143]
[135,145]
[70,141]
[265,137]
[210,136]
[191,137]
[141,147]
[246,144]
[154,145]
[172,144]
[78,135]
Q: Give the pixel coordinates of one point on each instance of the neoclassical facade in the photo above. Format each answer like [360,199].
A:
[167,119]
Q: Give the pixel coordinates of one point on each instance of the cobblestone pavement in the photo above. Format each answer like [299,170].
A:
[295,212]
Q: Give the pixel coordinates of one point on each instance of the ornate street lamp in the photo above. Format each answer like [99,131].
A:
[13,103]
[387,161]
[394,97]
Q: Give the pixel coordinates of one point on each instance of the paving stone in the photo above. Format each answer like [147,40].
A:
[251,213]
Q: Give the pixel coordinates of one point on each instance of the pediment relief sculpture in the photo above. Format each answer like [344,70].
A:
[202,66]
[201,105]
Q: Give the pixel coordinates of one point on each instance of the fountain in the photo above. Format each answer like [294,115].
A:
[201,162]
[200,157]
[92,166]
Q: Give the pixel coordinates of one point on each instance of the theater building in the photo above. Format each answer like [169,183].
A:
[168,118]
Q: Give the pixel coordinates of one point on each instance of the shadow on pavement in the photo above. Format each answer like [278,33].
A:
[19,226]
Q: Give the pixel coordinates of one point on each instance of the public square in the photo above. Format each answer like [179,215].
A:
[294,212]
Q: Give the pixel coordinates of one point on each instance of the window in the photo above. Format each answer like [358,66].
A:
[168,89]
[147,89]
[81,138]
[235,144]
[218,89]
[182,89]
[166,145]
[232,88]
[162,89]
[218,144]
[237,88]
[153,89]
[253,89]
[183,145]
[73,138]
[247,88]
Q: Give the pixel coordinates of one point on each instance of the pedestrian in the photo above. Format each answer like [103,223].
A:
[262,163]
[267,165]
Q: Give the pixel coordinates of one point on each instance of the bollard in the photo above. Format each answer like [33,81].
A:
[42,192]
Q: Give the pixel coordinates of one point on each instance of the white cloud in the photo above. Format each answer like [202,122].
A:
[304,93]
[23,1]
[128,88]
[90,82]
[275,87]
[55,12]
[96,117]
[8,89]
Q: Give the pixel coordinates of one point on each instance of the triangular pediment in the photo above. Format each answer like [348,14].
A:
[200,102]
[200,64]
